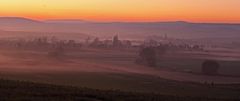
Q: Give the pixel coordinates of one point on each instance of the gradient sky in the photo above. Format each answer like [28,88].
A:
[125,10]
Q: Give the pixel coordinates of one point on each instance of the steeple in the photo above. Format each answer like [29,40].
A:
[115,40]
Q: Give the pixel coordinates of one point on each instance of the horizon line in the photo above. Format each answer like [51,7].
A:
[116,21]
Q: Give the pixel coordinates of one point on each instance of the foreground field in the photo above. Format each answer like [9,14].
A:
[20,90]
[132,83]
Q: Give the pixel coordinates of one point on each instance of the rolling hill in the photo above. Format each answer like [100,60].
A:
[178,29]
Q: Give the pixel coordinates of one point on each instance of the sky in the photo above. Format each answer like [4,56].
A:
[125,10]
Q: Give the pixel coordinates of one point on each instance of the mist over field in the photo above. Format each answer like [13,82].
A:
[215,41]
[169,58]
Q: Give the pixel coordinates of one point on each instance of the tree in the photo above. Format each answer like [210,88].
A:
[210,67]
[147,56]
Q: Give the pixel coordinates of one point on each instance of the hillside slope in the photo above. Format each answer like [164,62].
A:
[19,90]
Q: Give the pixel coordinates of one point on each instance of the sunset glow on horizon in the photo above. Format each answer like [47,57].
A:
[125,10]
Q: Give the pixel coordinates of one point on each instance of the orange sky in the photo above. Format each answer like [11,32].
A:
[125,10]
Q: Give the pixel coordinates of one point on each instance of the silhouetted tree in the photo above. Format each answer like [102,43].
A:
[210,67]
[147,56]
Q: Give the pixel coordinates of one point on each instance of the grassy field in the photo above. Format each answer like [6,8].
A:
[181,61]
[170,91]
[116,70]
[174,66]
[194,65]
[133,83]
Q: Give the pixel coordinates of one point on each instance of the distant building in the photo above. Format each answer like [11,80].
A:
[108,43]
[96,42]
[126,43]
[116,41]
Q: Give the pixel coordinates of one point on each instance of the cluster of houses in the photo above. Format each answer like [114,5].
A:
[38,43]
[53,42]
[115,43]
[173,46]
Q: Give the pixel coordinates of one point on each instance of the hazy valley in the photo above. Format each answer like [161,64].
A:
[115,56]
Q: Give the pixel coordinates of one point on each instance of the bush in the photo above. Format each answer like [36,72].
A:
[147,56]
[210,67]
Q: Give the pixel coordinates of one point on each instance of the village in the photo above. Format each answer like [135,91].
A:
[47,42]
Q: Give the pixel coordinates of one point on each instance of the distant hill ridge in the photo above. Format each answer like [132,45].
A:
[18,19]
[179,29]
[22,19]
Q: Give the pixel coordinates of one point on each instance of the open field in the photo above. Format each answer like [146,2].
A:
[135,83]
[174,66]
[109,69]
[21,90]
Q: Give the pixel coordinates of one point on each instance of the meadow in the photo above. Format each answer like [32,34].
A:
[112,69]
